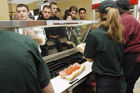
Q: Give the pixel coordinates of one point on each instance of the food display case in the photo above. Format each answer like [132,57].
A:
[58,60]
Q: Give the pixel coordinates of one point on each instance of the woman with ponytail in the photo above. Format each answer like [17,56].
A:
[104,46]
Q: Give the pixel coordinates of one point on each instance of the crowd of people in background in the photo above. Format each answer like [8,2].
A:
[56,13]
[44,35]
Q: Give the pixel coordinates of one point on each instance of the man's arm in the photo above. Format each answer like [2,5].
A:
[48,89]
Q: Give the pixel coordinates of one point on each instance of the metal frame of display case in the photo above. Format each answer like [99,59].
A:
[16,24]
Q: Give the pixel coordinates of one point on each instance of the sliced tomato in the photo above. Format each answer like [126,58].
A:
[71,69]
[68,72]
[76,66]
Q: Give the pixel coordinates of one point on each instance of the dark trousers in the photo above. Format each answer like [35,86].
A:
[44,49]
[131,71]
[108,84]
[133,78]
[57,42]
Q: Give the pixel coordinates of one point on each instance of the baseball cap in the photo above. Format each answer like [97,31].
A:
[105,4]
[124,4]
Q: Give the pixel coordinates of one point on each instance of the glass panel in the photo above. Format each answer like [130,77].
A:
[60,36]
[64,38]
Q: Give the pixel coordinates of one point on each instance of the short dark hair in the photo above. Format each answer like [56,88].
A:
[52,3]
[73,8]
[123,4]
[22,5]
[82,9]
[46,6]
[58,10]
[66,15]
[67,12]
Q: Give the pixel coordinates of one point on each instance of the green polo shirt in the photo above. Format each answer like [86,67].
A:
[106,53]
[22,69]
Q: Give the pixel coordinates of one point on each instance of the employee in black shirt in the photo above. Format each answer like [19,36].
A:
[104,45]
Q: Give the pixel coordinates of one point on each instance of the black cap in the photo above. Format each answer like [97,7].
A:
[106,4]
[124,4]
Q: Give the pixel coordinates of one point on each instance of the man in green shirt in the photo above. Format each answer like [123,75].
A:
[22,69]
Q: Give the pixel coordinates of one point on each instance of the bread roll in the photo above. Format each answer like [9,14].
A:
[72,74]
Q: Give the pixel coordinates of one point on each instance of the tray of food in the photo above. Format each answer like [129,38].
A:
[72,71]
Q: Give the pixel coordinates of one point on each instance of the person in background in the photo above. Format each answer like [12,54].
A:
[54,8]
[104,45]
[58,13]
[45,14]
[73,10]
[68,30]
[67,15]
[23,12]
[82,14]
[131,37]
[55,32]
[66,12]
[36,34]
[22,69]
[52,34]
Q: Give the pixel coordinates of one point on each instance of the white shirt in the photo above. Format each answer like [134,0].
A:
[39,31]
